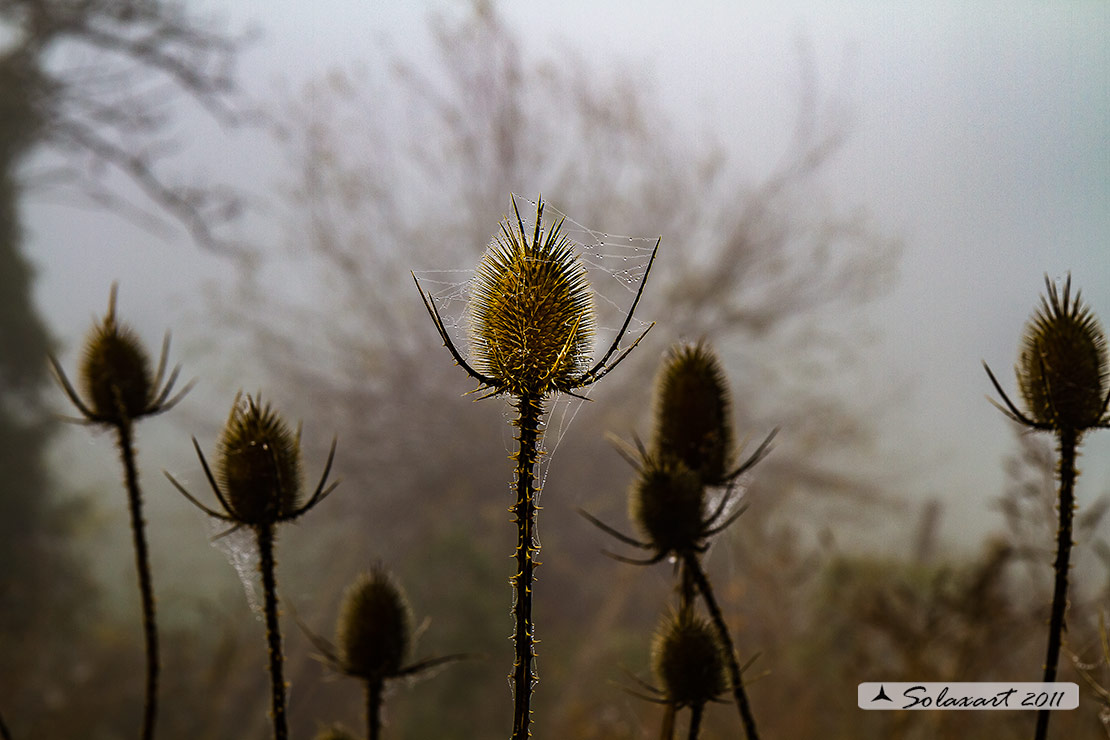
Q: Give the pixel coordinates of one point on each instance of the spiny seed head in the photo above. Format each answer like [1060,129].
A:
[531,310]
[375,627]
[667,504]
[259,464]
[692,415]
[115,370]
[688,660]
[1063,371]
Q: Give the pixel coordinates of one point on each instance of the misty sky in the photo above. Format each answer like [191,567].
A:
[981,137]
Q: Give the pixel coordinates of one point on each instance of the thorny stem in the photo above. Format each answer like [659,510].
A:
[265,534]
[747,719]
[1068,440]
[142,565]
[695,721]
[374,708]
[530,409]
[686,593]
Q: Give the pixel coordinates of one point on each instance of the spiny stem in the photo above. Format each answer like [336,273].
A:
[142,565]
[1068,441]
[747,719]
[374,708]
[695,721]
[265,534]
[530,409]
[686,593]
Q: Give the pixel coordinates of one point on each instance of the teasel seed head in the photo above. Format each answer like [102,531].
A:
[688,660]
[1063,371]
[375,627]
[667,503]
[531,310]
[693,414]
[259,464]
[115,370]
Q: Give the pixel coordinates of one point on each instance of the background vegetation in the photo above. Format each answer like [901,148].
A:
[409,167]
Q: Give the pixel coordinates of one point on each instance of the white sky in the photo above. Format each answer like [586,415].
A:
[982,137]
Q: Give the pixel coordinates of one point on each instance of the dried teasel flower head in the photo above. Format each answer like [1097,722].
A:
[115,371]
[667,504]
[1063,371]
[692,415]
[688,660]
[259,464]
[531,310]
[374,633]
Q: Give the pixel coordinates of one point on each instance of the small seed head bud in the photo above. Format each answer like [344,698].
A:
[688,660]
[692,416]
[1063,371]
[115,370]
[259,464]
[375,627]
[531,311]
[667,503]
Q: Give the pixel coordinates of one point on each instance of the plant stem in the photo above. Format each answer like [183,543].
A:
[374,708]
[4,734]
[747,719]
[265,534]
[1068,442]
[142,565]
[530,409]
[695,721]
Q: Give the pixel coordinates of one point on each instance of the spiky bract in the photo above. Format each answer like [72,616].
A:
[688,661]
[692,415]
[115,371]
[375,627]
[531,309]
[667,503]
[1063,371]
[259,464]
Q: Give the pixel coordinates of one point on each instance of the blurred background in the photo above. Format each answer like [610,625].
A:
[857,206]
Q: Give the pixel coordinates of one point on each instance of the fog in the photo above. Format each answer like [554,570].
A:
[977,139]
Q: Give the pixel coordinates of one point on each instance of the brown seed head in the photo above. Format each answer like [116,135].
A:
[667,503]
[1063,371]
[688,660]
[375,627]
[692,415]
[115,370]
[259,464]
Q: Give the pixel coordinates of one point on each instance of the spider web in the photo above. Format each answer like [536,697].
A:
[240,547]
[615,264]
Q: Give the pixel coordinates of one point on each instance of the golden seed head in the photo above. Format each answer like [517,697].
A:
[259,464]
[667,503]
[1063,372]
[531,310]
[688,660]
[375,627]
[115,370]
[692,415]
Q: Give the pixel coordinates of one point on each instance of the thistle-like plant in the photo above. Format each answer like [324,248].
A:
[688,661]
[532,320]
[1064,378]
[259,466]
[374,638]
[669,503]
[119,389]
